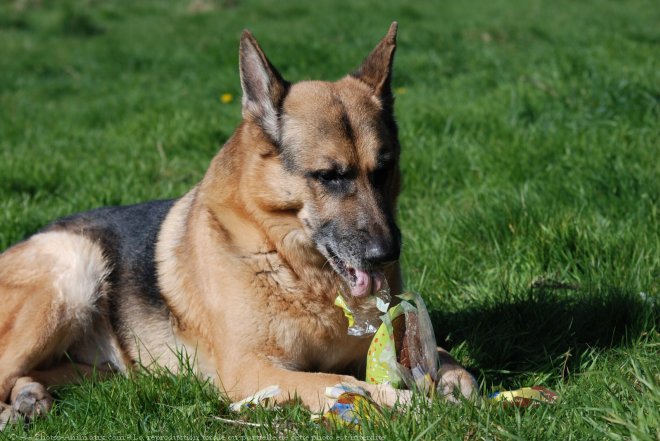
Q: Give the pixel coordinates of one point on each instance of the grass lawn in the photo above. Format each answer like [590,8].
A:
[531,149]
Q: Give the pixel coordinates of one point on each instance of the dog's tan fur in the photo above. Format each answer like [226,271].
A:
[249,295]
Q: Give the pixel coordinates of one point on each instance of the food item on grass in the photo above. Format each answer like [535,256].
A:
[525,397]
[352,406]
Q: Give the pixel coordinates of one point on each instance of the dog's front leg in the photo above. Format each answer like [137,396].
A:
[308,387]
[454,378]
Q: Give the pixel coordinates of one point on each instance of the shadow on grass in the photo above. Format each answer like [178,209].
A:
[550,329]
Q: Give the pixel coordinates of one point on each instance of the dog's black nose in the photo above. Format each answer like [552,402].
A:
[379,252]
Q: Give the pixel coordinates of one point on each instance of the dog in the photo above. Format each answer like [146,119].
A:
[242,271]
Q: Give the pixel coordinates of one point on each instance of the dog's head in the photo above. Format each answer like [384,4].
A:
[332,152]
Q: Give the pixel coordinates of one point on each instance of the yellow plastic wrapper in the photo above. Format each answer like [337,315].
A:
[403,350]
[381,356]
[525,397]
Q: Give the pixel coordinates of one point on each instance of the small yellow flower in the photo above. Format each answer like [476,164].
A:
[226,98]
[400,90]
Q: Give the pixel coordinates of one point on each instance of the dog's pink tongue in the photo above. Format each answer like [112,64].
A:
[365,283]
[362,285]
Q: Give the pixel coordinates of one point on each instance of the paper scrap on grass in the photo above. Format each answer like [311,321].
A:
[263,398]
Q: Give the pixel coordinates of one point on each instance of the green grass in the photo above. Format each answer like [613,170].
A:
[530,208]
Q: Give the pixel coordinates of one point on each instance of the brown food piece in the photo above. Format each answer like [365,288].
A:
[412,342]
[406,338]
[399,333]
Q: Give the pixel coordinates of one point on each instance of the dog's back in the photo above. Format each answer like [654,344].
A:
[127,237]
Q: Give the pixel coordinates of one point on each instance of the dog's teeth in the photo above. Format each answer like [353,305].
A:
[352,275]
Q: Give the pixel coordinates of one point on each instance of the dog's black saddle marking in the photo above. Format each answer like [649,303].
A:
[128,237]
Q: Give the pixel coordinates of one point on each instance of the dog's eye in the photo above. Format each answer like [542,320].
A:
[334,180]
[330,176]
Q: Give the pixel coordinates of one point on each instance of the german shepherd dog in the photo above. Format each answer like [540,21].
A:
[242,271]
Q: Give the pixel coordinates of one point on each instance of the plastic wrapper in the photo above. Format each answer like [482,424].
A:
[263,398]
[403,351]
[364,315]
[352,406]
[525,397]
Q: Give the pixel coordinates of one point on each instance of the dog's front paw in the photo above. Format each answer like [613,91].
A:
[32,400]
[455,382]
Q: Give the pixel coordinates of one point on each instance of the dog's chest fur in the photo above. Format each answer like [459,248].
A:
[300,325]
[250,297]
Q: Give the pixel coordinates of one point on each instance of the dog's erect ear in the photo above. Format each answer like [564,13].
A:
[263,86]
[376,69]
